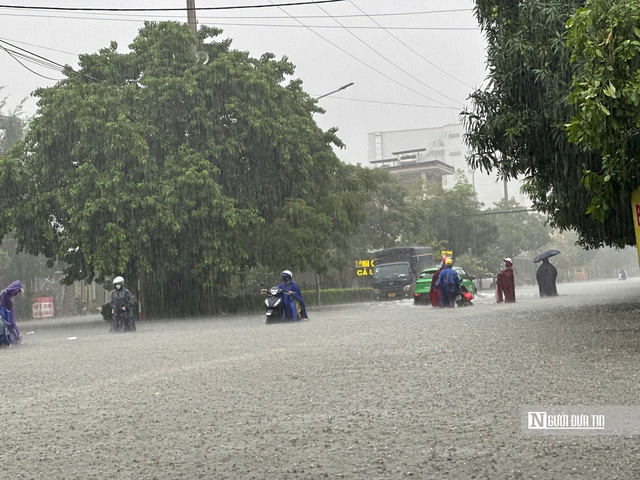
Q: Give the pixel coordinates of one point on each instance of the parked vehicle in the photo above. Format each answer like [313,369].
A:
[622,275]
[396,270]
[423,284]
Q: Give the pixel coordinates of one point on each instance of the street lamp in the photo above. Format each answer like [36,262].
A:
[330,93]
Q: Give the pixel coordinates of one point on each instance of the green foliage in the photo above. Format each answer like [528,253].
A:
[255,303]
[12,126]
[425,214]
[605,41]
[151,165]
[517,233]
[517,124]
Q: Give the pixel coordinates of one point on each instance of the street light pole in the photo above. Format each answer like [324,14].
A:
[330,93]
[191,21]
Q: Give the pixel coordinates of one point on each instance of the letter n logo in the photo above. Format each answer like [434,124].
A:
[537,420]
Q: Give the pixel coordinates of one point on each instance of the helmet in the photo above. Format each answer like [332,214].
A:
[448,261]
[508,260]
[287,273]
[118,280]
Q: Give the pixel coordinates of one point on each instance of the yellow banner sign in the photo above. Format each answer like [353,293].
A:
[635,205]
[364,268]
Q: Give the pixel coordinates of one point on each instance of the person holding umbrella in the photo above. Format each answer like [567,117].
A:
[546,274]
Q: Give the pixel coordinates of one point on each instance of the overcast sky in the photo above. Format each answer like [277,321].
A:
[413,63]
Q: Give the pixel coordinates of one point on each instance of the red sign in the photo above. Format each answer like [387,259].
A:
[637,215]
[44,307]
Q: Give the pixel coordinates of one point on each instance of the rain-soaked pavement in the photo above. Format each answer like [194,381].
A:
[366,391]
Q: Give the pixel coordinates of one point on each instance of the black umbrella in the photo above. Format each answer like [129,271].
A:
[547,254]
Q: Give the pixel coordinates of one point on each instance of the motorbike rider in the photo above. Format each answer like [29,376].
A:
[294,308]
[121,308]
[449,283]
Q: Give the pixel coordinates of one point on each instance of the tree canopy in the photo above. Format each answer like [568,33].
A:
[516,126]
[152,165]
[604,37]
[453,219]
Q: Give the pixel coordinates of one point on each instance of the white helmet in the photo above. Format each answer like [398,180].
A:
[118,280]
[287,273]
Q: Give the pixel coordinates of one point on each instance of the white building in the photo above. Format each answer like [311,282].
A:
[435,154]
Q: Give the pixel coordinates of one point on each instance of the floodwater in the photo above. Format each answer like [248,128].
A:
[375,390]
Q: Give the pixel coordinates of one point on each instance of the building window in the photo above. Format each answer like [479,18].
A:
[378,142]
[456,153]
[454,135]
[410,177]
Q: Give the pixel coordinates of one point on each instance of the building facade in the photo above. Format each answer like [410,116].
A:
[436,154]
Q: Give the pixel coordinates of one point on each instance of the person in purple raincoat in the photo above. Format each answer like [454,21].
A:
[9,333]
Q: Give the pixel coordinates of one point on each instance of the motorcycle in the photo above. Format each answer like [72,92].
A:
[274,304]
[463,297]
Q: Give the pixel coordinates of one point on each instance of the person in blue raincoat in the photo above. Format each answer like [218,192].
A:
[449,283]
[294,308]
[9,333]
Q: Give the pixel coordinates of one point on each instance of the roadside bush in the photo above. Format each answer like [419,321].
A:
[333,296]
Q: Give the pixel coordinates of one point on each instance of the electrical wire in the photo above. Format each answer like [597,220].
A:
[179,9]
[362,62]
[38,60]
[414,51]
[12,55]
[389,61]
[251,17]
[335,97]
[230,24]
[38,46]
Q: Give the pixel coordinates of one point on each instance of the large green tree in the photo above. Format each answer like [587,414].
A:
[153,165]
[517,123]
[424,213]
[605,40]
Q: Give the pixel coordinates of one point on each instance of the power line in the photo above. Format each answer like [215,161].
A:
[391,62]
[38,60]
[360,61]
[38,46]
[260,17]
[179,9]
[335,97]
[500,212]
[213,20]
[14,56]
[413,50]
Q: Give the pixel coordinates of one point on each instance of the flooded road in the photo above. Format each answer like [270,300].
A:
[374,390]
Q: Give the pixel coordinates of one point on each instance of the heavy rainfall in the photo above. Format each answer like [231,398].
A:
[200,279]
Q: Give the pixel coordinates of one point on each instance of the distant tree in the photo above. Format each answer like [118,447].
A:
[154,166]
[387,216]
[451,217]
[517,232]
[605,40]
[425,214]
[516,126]
[12,126]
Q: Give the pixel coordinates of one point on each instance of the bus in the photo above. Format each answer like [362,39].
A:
[396,270]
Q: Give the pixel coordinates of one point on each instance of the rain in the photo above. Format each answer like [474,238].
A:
[227,221]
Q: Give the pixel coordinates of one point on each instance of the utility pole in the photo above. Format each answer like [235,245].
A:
[191,21]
